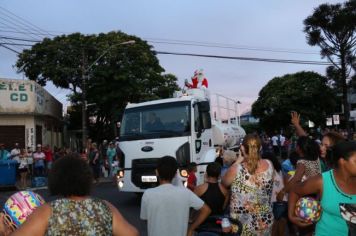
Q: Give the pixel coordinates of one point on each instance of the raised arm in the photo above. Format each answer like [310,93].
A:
[295,119]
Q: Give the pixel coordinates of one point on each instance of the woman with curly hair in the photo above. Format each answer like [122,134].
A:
[75,213]
[251,184]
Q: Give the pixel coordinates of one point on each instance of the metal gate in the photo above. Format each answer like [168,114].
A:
[11,134]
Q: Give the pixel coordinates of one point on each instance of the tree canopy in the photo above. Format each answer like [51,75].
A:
[332,27]
[304,92]
[115,73]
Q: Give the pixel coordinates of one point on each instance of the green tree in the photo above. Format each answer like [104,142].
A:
[305,92]
[333,29]
[114,74]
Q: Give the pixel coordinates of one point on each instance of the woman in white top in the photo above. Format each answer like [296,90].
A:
[23,168]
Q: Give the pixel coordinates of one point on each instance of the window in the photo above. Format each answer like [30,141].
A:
[156,121]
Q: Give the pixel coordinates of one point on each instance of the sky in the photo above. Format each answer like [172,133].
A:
[254,28]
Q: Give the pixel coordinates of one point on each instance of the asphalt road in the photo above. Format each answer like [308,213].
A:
[127,203]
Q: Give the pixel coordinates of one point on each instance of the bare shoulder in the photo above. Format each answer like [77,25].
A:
[300,165]
[224,190]
[312,185]
[200,189]
[265,163]
[233,168]
[43,211]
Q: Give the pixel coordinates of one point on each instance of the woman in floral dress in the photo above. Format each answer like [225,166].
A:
[251,184]
[75,213]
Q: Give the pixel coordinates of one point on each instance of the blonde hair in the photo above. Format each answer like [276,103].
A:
[229,157]
[252,146]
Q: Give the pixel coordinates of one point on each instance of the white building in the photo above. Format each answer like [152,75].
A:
[29,115]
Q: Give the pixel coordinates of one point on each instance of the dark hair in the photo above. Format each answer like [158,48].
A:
[270,156]
[334,137]
[293,158]
[191,166]
[167,167]
[70,176]
[213,169]
[344,150]
[309,148]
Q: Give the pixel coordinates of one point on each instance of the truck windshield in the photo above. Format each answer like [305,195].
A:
[156,121]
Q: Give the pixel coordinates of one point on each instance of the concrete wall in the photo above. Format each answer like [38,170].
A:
[25,96]
[24,102]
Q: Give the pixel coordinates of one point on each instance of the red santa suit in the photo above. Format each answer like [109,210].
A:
[198,80]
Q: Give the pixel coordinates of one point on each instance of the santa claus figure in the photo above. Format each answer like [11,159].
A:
[198,80]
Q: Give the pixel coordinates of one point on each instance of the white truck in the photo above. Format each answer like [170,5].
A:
[184,127]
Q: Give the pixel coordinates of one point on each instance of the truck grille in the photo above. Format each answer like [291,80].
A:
[143,167]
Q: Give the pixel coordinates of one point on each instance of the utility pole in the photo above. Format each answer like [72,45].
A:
[84,99]
[85,75]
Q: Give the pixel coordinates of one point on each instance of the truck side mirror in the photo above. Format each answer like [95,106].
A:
[202,117]
[206,120]
[204,106]
[204,111]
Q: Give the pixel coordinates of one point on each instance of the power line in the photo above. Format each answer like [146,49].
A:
[17,44]
[23,21]
[10,41]
[14,24]
[232,47]
[175,41]
[20,39]
[13,50]
[223,57]
[248,58]
[203,55]
[205,44]
[192,44]
[17,31]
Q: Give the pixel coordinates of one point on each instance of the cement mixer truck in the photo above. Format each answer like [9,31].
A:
[187,127]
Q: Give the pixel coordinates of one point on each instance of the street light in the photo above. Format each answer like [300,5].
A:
[238,111]
[106,51]
[85,73]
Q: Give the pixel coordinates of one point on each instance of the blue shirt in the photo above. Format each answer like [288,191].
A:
[4,155]
[287,166]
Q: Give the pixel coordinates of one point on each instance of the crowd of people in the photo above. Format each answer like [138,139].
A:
[104,160]
[29,163]
[256,189]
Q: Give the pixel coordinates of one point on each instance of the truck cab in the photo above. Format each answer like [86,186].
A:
[180,127]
